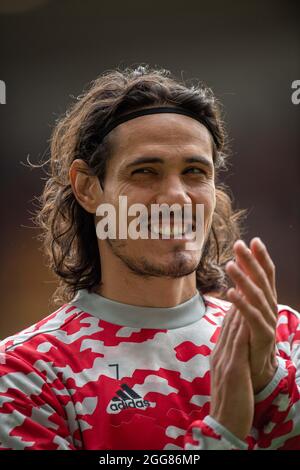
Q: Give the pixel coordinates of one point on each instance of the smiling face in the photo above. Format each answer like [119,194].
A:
[156,159]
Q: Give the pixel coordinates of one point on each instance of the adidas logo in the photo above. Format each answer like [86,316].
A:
[127,398]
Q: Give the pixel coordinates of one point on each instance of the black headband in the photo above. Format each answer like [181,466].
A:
[165,109]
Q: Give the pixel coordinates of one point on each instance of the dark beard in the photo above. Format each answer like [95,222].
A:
[179,267]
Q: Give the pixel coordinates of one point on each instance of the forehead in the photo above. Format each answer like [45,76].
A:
[165,132]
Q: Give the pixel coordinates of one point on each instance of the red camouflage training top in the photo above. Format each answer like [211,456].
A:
[99,374]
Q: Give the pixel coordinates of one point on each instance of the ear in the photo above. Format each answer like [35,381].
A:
[85,186]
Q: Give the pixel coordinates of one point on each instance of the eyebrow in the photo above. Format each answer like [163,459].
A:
[193,159]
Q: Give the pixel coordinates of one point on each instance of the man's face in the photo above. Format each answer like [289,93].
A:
[170,145]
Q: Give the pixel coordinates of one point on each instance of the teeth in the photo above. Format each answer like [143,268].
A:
[173,231]
[165,231]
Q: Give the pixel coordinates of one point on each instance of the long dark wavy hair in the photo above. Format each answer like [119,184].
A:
[68,231]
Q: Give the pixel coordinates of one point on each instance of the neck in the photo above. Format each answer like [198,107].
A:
[119,283]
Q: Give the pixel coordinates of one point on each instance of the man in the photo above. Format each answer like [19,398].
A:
[144,353]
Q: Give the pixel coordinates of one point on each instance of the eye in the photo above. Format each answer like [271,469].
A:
[195,170]
[142,171]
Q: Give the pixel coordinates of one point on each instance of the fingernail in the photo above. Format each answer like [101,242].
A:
[261,242]
[240,242]
[229,264]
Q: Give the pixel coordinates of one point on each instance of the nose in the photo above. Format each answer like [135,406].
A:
[172,191]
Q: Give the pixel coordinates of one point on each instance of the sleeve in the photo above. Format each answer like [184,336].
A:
[277,408]
[211,435]
[276,423]
[31,417]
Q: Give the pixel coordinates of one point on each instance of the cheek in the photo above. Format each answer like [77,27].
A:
[207,196]
[211,204]
[142,196]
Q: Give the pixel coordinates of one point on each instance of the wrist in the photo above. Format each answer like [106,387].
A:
[260,381]
[233,426]
[232,441]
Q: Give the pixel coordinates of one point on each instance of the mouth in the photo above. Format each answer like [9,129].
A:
[171,231]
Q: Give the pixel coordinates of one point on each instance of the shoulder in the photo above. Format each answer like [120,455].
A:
[288,326]
[287,315]
[216,303]
[288,310]
[223,304]
[39,337]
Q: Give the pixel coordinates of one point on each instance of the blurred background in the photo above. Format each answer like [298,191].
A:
[247,51]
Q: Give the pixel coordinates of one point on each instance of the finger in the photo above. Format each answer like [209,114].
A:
[261,332]
[250,265]
[261,254]
[231,330]
[225,326]
[251,291]
[240,342]
[228,321]
[262,336]
[237,260]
